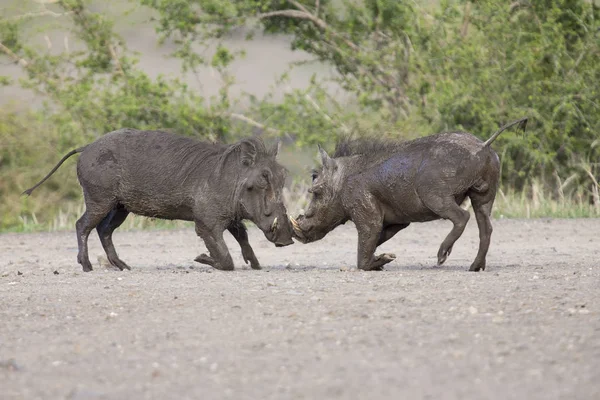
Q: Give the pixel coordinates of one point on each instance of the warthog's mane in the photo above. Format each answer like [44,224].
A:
[204,148]
[367,146]
[204,155]
[247,144]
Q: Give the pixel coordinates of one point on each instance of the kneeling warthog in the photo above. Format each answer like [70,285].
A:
[162,175]
[383,186]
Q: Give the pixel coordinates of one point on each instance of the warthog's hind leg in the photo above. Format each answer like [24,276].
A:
[482,211]
[446,208]
[93,215]
[105,229]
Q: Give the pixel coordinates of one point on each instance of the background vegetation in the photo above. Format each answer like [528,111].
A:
[395,68]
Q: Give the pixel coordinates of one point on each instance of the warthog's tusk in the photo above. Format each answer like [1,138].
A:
[274,224]
[295,225]
[298,233]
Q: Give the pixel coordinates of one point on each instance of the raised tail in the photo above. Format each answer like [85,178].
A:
[522,125]
[69,154]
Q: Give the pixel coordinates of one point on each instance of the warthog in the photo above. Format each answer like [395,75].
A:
[162,175]
[383,186]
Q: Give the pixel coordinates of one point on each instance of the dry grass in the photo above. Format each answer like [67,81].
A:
[567,200]
[581,201]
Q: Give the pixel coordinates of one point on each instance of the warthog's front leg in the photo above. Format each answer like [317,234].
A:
[239,232]
[219,257]
[368,236]
[369,224]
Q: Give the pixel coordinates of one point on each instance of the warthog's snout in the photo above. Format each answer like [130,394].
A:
[280,232]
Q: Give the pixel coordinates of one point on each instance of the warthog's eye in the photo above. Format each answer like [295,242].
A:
[316,190]
[314,176]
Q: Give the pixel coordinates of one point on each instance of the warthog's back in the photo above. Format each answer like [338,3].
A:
[447,164]
[151,173]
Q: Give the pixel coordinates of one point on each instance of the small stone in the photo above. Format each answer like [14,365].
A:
[472,310]
[584,311]
[56,272]
[213,367]
[19,273]
[10,364]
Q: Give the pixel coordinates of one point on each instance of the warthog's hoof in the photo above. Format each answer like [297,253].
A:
[119,264]
[206,259]
[85,263]
[443,255]
[379,261]
[255,265]
[251,258]
[475,267]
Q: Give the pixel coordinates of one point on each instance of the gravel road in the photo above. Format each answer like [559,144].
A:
[309,325]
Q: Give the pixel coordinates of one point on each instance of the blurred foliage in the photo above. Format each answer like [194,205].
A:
[407,69]
[100,88]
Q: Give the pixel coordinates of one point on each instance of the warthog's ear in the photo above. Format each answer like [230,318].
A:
[275,149]
[328,162]
[247,152]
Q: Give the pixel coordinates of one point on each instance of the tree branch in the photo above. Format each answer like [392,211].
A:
[24,63]
[38,14]
[115,58]
[250,121]
[465,25]
[300,14]
[386,79]
[324,114]
[299,6]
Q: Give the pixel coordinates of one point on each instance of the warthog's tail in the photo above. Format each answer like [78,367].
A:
[522,122]
[69,154]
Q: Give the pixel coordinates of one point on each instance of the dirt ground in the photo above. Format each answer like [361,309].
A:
[309,325]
